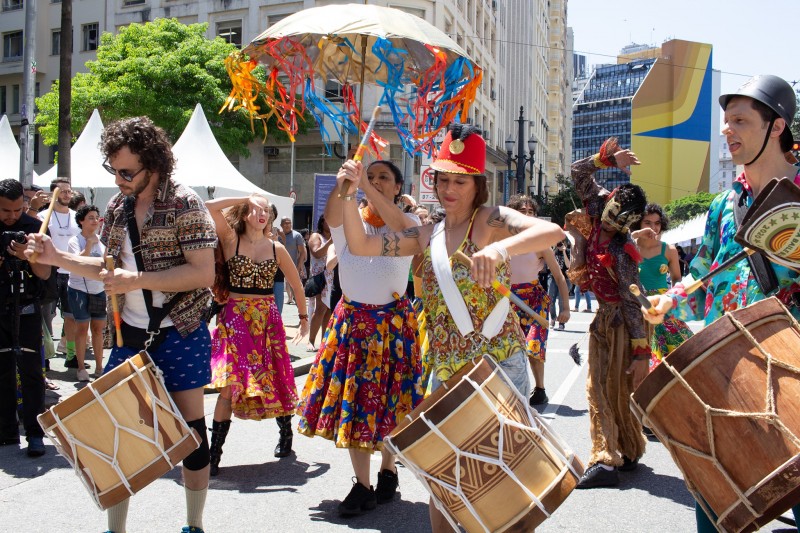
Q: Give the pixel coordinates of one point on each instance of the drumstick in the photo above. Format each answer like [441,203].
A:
[115,305]
[634,288]
[46,221]
[746,252]
[504,291]
[363,144]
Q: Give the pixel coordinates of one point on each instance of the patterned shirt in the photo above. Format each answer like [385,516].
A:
[449,350]
[177,222]
[736,287]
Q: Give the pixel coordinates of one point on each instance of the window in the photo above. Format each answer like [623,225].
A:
[126,3]
[12,46]
[12,5]
[55,42]
[274,19]
[91,35]
[333,91]
[15,98]
[231,31]
[3,96]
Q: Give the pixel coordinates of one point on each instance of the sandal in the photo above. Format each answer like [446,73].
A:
[49,385]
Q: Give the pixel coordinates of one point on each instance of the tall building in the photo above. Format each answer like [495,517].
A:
[559,101]
[723,179]
[511,40]
[661,103]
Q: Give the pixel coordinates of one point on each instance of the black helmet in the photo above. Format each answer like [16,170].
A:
[771,91]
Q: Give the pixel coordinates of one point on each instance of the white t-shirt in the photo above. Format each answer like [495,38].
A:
[134,312]
[62,228]
[371,280]
[90,286]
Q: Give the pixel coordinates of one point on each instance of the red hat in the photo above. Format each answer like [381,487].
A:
[461,157]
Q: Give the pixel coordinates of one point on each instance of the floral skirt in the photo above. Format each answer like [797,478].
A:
[366,376]
[248,353]
[536,297]
[666,336]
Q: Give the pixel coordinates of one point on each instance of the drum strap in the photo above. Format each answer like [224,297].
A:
[759,265]
[156,314]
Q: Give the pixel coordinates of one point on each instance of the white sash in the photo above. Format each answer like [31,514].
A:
[453,297]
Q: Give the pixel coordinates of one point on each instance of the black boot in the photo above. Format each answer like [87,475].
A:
[284,447]
[219,430]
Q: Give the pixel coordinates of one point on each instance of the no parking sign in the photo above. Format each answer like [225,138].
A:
[426,188]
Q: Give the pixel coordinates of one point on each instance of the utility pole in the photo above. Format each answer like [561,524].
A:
[28,88]
[65,92]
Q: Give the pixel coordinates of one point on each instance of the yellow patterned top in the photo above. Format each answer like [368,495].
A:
[448,349]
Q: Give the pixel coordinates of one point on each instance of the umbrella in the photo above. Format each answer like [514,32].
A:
[425,78]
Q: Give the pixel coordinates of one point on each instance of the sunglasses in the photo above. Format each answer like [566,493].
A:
[125,174]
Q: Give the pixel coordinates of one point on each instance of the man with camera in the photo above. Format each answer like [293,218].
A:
[21,332]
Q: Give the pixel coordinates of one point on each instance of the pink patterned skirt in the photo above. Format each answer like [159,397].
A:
[248,353]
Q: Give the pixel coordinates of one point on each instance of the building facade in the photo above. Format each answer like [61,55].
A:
[661,103]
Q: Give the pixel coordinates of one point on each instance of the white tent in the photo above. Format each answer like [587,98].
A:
[88,174]
[201,163]
[686,232]
[9,152]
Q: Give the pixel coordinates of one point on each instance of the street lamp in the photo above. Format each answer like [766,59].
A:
[520,159]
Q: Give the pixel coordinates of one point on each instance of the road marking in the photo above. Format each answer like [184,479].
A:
[555,401]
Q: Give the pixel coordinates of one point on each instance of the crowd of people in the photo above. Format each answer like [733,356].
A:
[389,313]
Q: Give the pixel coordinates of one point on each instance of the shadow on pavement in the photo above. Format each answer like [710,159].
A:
[668,487]
[273,476]
[563,410]
[14,461]
[396,517]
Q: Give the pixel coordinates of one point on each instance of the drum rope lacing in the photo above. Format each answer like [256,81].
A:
[539,429]
[112,461]
[769,416]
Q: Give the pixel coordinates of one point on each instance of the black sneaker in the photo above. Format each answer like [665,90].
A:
[597,476]
[73,363]
[35,447]
[628,465]
[359,500]
[539,397]
[387,486]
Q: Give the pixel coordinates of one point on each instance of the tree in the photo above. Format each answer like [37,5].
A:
[688,207]
[561,203]
[161,69]
[796,124]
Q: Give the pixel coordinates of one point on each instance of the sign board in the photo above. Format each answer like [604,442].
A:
[427,194]
[324,184]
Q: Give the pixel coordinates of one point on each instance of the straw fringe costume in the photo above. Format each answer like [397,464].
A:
[618,333]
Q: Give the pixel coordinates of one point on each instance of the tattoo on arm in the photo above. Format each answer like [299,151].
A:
[391,245]
[500,221]
[411,233]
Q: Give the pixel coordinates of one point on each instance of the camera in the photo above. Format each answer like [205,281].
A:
[7,237]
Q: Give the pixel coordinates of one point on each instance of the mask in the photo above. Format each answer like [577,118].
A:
[614,216]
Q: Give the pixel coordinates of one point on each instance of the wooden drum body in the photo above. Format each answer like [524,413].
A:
[489,461]
[726,404]
[120,432]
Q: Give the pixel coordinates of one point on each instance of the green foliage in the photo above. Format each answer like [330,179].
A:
[561,203]
[796,126]
[688,207]
[161,69]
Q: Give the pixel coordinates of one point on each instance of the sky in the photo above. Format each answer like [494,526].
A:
[748,37]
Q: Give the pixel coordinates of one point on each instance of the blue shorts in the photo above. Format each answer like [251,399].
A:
[86,306]
[185,362]
[515,367]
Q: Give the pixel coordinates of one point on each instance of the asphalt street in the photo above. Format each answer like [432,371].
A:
[255,492]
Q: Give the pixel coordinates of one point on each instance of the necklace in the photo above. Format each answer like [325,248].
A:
[58,221]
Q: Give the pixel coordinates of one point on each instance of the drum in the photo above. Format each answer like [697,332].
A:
[726,404]
[120,432]
[490,462]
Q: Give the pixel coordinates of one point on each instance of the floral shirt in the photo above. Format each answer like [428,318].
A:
[177,222]
[448,349]
[736,287]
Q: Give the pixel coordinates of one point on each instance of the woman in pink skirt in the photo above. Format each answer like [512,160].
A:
[249,361]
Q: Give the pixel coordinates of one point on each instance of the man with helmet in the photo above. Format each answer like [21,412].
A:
[757,121]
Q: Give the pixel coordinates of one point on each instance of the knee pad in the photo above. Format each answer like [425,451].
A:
[200,458]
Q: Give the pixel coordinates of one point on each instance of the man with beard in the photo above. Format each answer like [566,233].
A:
[162,239]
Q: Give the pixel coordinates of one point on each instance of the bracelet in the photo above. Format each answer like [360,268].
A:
[500,250]
[303,317]
[347,197]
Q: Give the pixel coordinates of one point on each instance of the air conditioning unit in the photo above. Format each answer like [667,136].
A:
[271,151]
